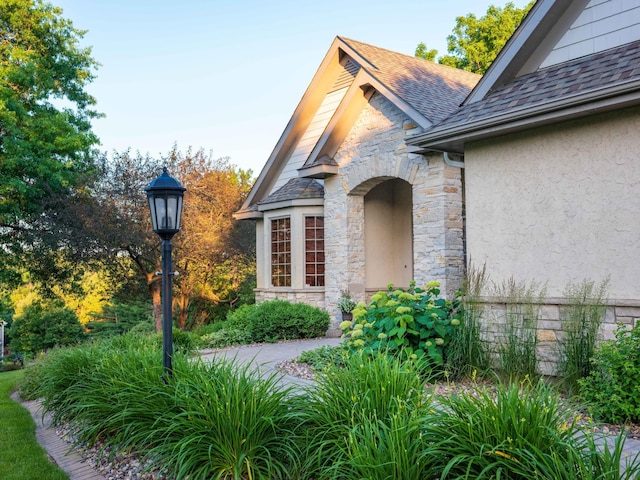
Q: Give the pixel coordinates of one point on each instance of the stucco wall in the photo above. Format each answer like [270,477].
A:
[559,204]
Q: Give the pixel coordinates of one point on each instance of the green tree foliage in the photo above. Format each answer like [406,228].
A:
[118,318]
[45,112]
[43,326]
[423,52]
[475,42]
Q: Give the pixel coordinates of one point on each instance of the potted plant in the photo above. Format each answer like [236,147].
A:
[346,305]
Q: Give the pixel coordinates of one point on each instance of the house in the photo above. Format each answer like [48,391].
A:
[341,203]
[550,144]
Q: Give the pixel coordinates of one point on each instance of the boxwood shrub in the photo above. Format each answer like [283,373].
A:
[281,320]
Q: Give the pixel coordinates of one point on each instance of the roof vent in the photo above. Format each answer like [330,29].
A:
[350,68]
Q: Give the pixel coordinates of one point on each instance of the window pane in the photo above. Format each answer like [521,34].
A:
[281,252]
[314,251]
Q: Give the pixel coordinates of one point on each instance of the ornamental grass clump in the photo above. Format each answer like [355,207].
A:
[228,422]
[207,420]
[363,420]
[518,432]
[413,324]
[581,320]
[517,349]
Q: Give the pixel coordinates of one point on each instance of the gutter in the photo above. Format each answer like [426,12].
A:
[627,94]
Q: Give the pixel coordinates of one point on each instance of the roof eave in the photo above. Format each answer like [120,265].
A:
[599,101]
[248,215]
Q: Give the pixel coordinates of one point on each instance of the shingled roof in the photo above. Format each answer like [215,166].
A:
[432,89]
[606,69]
[294,189]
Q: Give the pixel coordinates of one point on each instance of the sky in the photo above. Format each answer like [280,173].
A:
[226,75]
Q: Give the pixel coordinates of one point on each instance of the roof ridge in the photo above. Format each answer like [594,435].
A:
[427,63]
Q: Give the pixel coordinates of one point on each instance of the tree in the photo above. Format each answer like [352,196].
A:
[423,52]
[45,131]
[212,244]
[113,225]
[475,42]
[44,326]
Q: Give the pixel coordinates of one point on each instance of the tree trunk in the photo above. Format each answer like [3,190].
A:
[154,284]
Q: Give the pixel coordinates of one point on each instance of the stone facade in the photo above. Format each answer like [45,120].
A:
[550,331]
[374,152]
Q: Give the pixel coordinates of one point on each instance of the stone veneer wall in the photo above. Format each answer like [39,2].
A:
[312,297]
[373,152]
[550,330]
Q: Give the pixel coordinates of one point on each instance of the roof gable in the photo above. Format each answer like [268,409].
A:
[424,91]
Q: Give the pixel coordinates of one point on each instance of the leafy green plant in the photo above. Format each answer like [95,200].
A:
[228,422]
[346,304]
[581,320]
[281,320]
[118,318]
[612,389]
[517,348]
[324,357]
[363,420]
[241,316]
[208,420]
[415,324]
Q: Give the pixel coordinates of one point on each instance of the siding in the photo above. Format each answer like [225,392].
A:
[602,25]
[311,137]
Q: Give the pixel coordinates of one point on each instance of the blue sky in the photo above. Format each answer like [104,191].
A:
[226,75]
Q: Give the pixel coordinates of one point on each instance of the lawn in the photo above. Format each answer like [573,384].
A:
[22,457]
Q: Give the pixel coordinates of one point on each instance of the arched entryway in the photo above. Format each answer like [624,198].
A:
[388,235]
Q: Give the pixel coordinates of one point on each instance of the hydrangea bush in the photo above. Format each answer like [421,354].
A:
[415,323]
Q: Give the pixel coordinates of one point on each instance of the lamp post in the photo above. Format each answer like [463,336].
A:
[165,202]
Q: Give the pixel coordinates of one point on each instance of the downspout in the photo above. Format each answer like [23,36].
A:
[450,161]
[460,164]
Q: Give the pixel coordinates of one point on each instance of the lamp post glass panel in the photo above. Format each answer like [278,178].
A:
[165,196]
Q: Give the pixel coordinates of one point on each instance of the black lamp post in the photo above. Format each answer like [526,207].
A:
[165,202]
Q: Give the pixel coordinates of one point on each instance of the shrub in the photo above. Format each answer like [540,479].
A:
[581,321]
[364,420]
[241,316]
[413,324]
[41,327]
[281,320]
[612,388]
[119,318]
[225,337]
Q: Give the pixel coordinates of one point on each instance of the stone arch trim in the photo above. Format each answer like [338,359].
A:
[360,180]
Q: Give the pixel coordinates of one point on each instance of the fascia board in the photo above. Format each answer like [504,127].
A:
[300,202]
[540,20]
[600,100]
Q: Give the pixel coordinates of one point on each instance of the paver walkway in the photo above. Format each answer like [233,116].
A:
[59,450]
[264,356]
